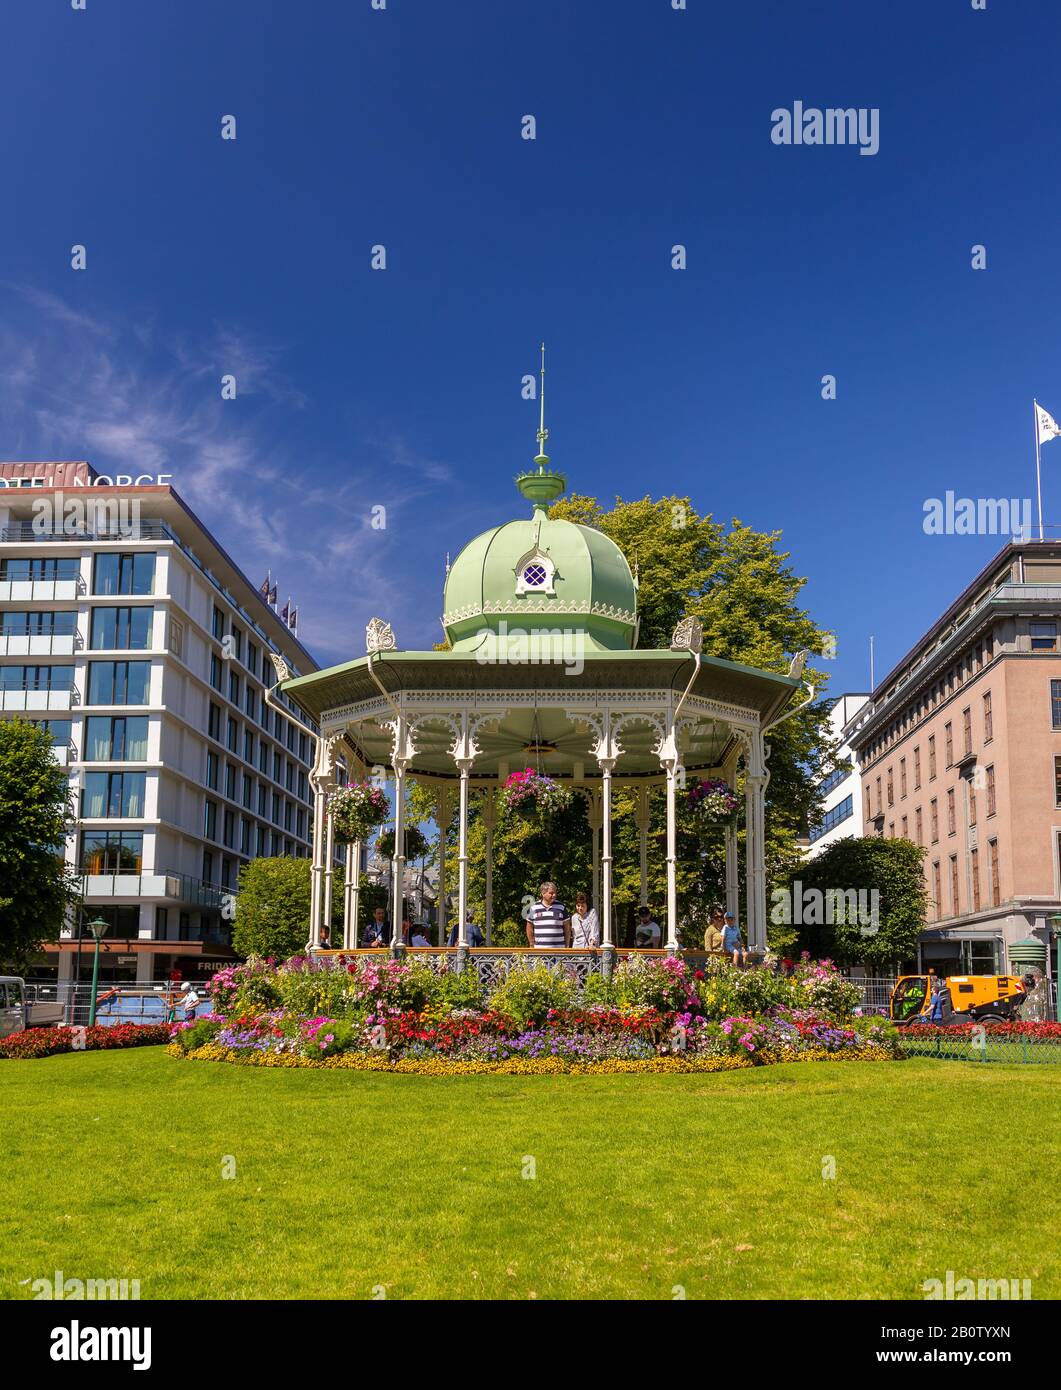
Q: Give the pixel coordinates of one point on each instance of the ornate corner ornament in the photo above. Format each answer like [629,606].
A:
[282,671]
[379,637]
[688,636]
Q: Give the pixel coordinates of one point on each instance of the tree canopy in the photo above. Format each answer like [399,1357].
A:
[36,888]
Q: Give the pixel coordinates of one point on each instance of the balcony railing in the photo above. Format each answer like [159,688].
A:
[161,883]
[22,698]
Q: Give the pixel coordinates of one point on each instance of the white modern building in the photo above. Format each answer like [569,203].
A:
[127,631]
[842,811]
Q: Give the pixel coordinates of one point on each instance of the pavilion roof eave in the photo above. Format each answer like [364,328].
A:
[319,691]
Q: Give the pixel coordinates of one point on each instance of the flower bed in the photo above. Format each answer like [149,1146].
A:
[45,1042]
[1037,1032]
[654,1013]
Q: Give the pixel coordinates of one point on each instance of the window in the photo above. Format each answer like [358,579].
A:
[115,740]
[251,703]
[252,658]
[1055,701]
[119,682]
[61,624]
[988,726]
[974,873]
[58,730]
[245,837]
[36,678]
[214,723]
[113,794]
[972,802]
[263,800]
[248,791]
[992,846]
[954,904]
[937,889]
[277,766]
[176,637]
[835,816]
[932,756]
[122,628]
[902,778]
[219,623]
[905,828]
[123,574]
[237,642]
[1044,637]
[933,819]
[262,840]
[951,827]
[112,852]
[917,769]
[210,823]
[991,791]
[216,678]
[263,758]
[212,771]
[230,829]
[248,746]
[880,804]
[233,735]
[948,737]
[967,731]
[18,571]
[917,825]
[230,781]
[1057,781]
[233,687]
[276,809]
[891,788]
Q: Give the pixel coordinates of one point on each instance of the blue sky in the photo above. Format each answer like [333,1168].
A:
[401,388]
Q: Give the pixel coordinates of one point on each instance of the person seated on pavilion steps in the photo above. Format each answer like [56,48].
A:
[648,931]
[378,931]
[548,925]
[420,937]
[325,943]
[713,937]
[585,929]
[733,941]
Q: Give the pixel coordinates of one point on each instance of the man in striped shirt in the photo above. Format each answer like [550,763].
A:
[548,925]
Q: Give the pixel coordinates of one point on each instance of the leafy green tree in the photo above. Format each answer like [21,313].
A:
[273,907]
[738,583]
[890,875]
[36,888]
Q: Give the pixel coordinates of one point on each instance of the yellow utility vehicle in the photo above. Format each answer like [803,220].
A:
[966,998]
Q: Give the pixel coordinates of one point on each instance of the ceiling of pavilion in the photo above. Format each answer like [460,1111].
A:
[545,738]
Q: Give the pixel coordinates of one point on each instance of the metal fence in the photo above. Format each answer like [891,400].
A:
[147,1002]
[982,1046]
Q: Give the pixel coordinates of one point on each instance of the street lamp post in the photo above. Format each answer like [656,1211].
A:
[97,927]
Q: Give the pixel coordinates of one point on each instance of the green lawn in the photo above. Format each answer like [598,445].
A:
[347,1181]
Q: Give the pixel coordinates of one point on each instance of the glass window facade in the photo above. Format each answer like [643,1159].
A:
[123,574]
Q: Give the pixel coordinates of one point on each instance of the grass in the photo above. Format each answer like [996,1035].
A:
[349,1184]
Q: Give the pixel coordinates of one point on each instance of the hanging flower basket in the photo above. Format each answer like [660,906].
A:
[529,792]
[356,809]
[712,801]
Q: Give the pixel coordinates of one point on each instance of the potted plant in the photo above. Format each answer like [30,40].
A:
[712,800]
[356,809]
[529,793]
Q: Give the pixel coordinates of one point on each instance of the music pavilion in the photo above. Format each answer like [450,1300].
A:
[544,669]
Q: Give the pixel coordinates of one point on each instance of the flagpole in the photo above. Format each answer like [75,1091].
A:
[1038,478]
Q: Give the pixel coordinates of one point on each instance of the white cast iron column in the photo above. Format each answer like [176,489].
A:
[329,872]
[595,820]
[670,761]
[464,751]
[400,758]
[755,840]
[351,895]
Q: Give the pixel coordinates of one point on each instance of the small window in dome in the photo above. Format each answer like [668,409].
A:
[534,576]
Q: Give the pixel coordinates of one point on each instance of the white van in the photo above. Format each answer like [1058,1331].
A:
[17,1013]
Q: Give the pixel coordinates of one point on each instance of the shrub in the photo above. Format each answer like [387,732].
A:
[46,1042]
[642,982]
[527,994]
[189,1036]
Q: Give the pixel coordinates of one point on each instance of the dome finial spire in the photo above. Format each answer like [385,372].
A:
[543,434]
